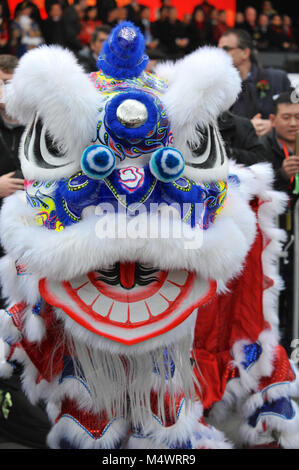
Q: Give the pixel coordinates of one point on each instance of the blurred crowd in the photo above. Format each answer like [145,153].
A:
[74,25]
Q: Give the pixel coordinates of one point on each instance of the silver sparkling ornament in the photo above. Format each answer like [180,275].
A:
[132,113]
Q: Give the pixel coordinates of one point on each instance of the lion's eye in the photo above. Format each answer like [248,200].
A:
[210,152]
[40,148]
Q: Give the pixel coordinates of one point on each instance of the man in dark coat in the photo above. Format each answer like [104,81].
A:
[280,146]
[71,25]
[52,27]
[259,84]
[241,140]
[88,57]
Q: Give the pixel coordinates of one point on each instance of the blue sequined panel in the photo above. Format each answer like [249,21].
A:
[252,353]
[169,366]
[134,188]
[282,408]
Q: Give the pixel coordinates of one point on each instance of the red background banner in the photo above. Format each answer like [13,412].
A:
[183,6]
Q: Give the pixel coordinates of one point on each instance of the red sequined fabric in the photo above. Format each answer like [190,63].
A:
[282,370]
[171,409]
[16,312]
[95,425]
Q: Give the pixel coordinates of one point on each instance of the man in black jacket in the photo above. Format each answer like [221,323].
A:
[88,57]
[280,142]
[259,84]
[280,146]
[241,141]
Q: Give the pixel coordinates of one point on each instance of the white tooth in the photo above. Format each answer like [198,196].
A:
[138,312]
[157,304]
[178,277]
[119,312]
[102,305]
[88,293]
[87,211]
[170,291]
[78,282]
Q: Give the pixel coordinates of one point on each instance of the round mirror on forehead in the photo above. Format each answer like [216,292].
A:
[132,113]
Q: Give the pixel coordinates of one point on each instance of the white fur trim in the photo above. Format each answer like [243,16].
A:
[287,430]
[179,432]
[8,331]
[34,391]
[50,82]
[201,86]
[70,429]
[6,370]
[34,327]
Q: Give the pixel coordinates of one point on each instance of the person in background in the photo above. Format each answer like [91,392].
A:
[268,9]
[278,39]
[171,36]
[280,142]
[158,26]
[10,135]
[201,32]
[289,31]
[241,141]
[71,19]
[206,7]
[88,57]
[153,49]
[104,7]
[52,27]
[89,23]
[261,36]
[49,3]
[221,27]
[258,84]
[250,20]
[133,11]
[4,32]
[280,146]
[239,20]
[25,32]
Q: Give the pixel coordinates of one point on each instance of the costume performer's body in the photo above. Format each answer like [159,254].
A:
[140,265]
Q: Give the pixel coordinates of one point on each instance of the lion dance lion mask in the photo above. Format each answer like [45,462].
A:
[140,271]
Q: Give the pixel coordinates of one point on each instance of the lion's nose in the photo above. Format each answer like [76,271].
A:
[132,113]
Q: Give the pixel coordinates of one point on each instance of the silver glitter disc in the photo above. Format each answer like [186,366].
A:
[132,113]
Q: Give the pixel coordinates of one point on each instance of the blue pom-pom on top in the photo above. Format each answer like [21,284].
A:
[167,164]
[97,161]
[122,55]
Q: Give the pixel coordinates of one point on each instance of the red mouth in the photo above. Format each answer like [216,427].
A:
[129,303]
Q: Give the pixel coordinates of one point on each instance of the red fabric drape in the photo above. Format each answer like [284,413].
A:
[183,6]
[229,318]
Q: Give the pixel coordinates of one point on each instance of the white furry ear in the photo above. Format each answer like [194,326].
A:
[201,86]
[49,83]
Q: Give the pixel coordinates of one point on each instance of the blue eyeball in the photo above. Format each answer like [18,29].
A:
[97,161]
[167,164]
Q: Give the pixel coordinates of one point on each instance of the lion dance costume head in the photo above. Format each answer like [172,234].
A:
[139,269]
